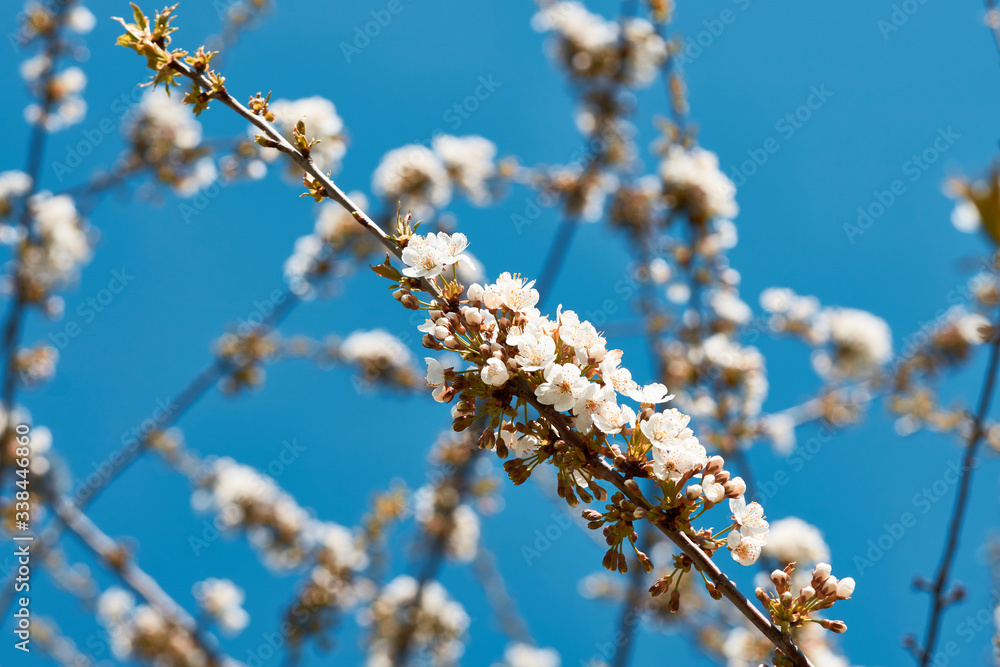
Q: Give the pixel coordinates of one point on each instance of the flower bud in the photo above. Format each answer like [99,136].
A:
[694,492]
[660,587]
[845,588]
[807,593]
[452,343]
[714,465]
[735,487]
[722,477]
[829,587]
[475,292]
[713,591]
[410,302]
[647,565]
[441,332]
[780,580]
[834,626]
[472,316]
[820,573]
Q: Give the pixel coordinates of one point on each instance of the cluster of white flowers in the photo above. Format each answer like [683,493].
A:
[470,162]
[165,136]
[322,123]
[570,368]
[431,255]
[792,313]
[694,182]
[793,540]
[59,246]
[861,343]
[523,655]
[742,366]
[380,357]
[423,180]
[222,600]
[13,184]
[312,267]
[244,499]
[66,106]
[462,542]
[438,622]
[592,47]
[161,119]
[141,633]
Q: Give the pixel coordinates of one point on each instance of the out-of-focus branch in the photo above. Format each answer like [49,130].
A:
[12,329]
[119,561]
[942,595]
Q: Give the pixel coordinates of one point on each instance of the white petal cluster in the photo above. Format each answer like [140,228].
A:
[322,123]
[793,540]
[470,162]
[166,137]
[463,530]
[80,20]
[161,119]
[13,184]
[313,265]
[523,655]
[244,499]
[414,176]
[60,245]
[752,534]
[592,47]
[440,622]
[140,633]
[423,179]
[380,356]
[566,364]
[692,180]
[861,342]
[222,600]
[65,89]
[431,255]
[742,364]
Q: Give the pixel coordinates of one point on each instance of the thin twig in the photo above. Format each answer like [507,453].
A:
[939,590]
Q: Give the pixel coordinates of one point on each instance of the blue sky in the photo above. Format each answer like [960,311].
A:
[887,96]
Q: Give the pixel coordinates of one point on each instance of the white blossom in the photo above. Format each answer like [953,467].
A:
[222,600]
[416,177]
